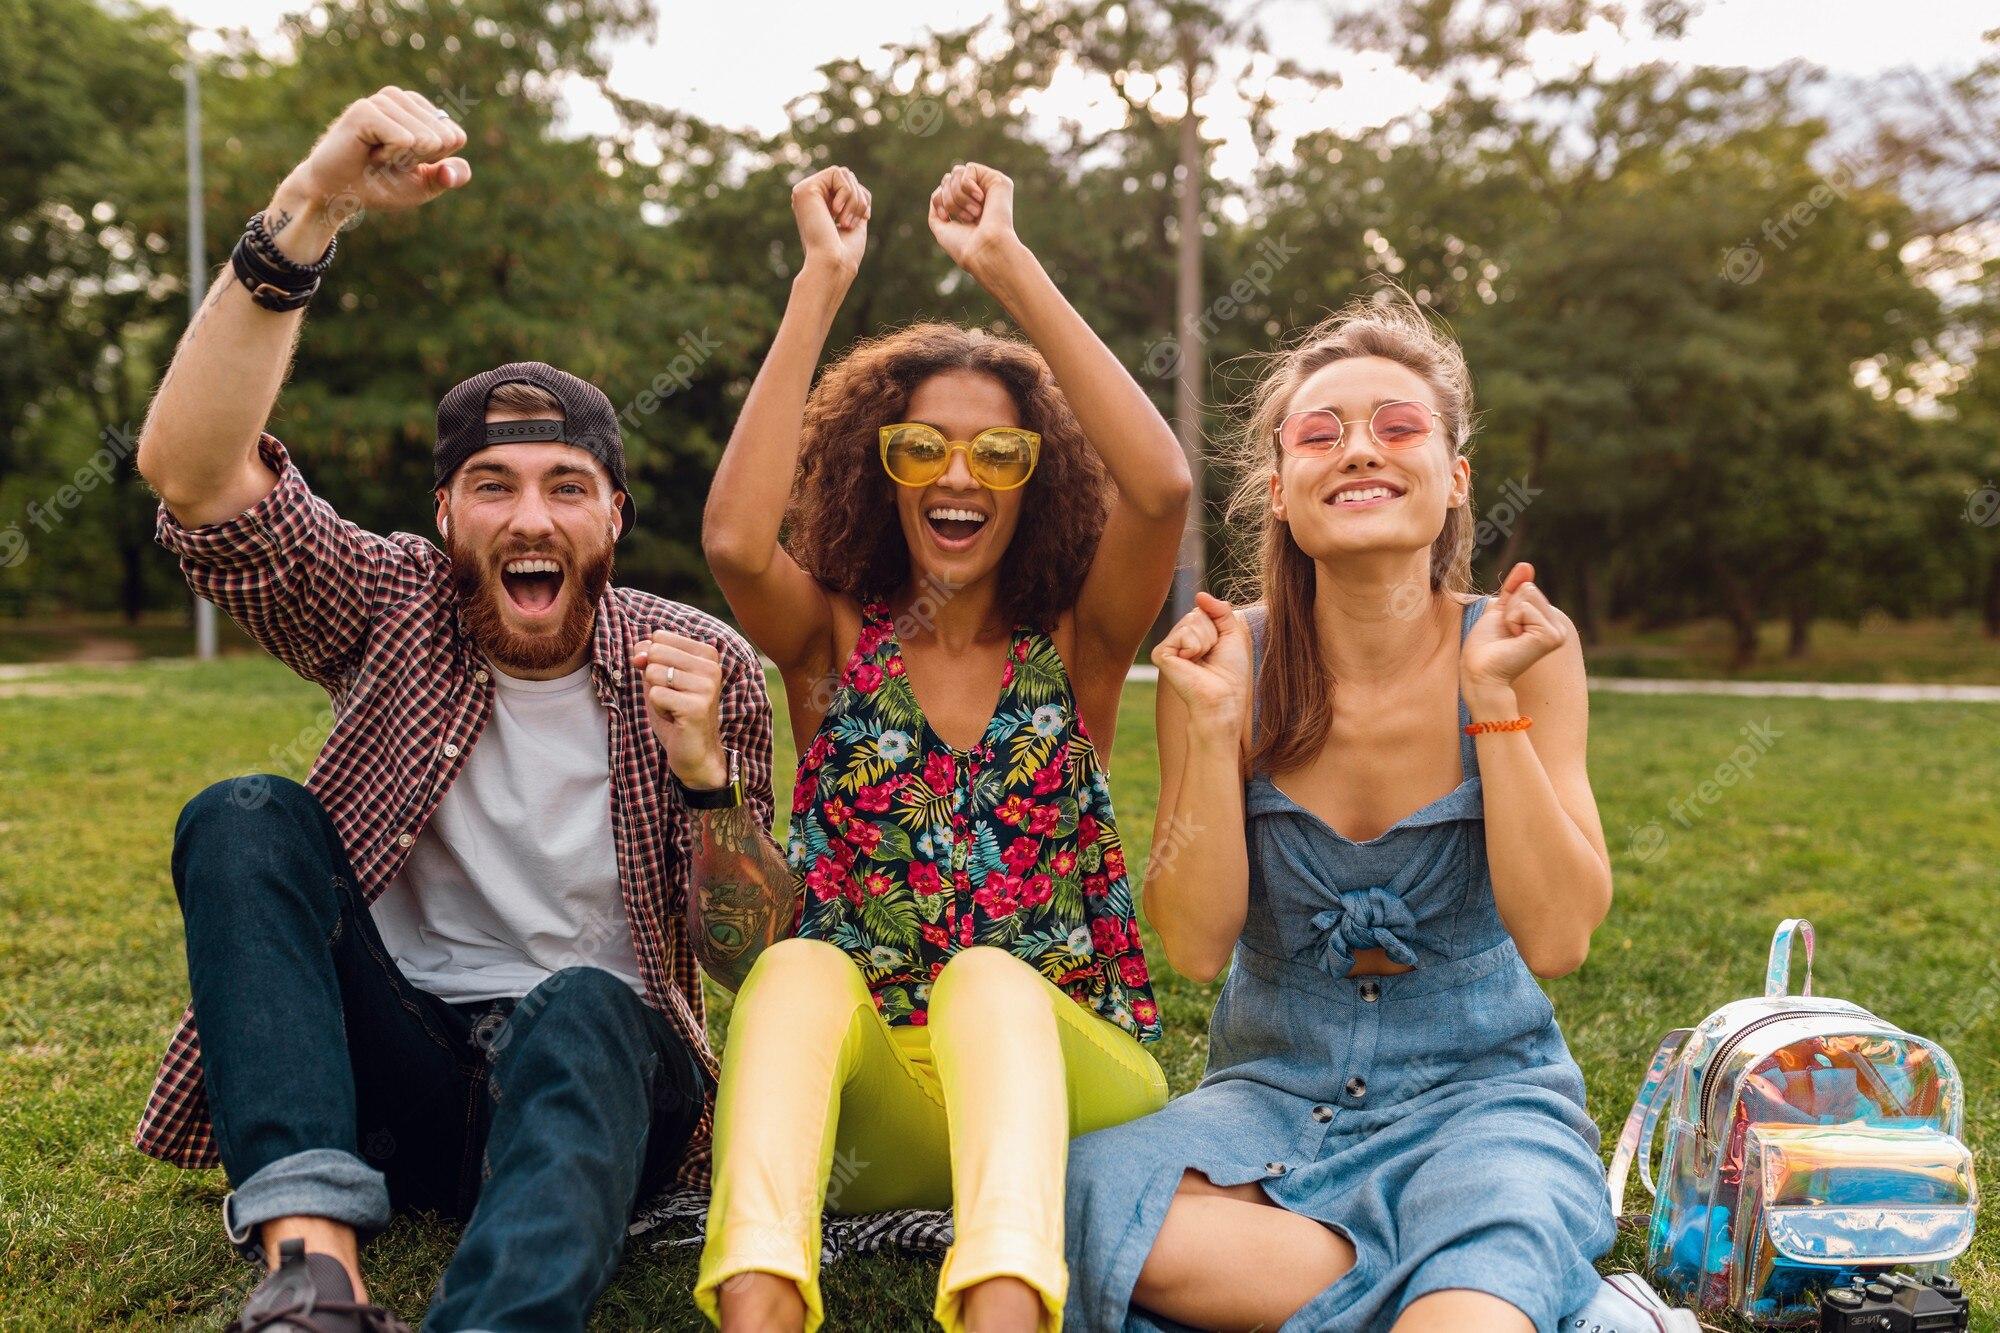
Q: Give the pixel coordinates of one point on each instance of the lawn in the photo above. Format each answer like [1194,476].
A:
[1876,820]
[1954,650]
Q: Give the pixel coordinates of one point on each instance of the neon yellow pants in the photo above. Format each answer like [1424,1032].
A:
[823,1104]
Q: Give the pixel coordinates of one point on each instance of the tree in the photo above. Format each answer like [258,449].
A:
[1164,59]
[85,277]
[547,255]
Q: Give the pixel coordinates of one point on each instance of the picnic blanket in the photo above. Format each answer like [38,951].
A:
[682,1216]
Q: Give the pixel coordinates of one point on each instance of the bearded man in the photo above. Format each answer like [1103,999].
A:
[459,968]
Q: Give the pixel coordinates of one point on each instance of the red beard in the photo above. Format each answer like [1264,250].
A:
[477,579]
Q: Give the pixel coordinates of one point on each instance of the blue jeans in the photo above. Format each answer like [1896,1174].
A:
[339,1090]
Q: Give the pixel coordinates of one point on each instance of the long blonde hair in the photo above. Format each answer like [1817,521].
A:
[1294,689]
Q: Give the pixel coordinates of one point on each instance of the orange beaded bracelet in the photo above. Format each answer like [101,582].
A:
[1521,723]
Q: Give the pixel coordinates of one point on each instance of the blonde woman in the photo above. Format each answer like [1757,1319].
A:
[1374,807]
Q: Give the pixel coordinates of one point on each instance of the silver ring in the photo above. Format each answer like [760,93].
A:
[670,678]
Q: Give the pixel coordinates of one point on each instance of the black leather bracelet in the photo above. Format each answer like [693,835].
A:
[276,281]
[726,797]
[269,287]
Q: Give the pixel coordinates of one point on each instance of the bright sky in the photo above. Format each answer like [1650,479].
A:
[738,64]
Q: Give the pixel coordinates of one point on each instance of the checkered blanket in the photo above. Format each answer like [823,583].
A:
[681,1216]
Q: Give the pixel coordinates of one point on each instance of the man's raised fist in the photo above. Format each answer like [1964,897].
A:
[392,150]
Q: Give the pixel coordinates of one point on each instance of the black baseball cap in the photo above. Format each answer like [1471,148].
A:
[587,421]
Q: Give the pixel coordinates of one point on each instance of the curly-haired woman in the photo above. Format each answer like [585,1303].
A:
[978,532]
[1372,835]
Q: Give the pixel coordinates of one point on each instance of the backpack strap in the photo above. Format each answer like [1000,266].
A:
[1636,1139]
[1778,971]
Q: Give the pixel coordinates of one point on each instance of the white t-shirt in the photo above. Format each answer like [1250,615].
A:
[515,876]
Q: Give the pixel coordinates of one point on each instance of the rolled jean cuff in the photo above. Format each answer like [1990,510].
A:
[321,1182]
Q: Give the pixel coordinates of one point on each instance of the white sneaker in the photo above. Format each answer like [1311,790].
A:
[1624,1303]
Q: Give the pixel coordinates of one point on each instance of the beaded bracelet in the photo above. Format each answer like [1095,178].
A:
[1521,723]
[259,235]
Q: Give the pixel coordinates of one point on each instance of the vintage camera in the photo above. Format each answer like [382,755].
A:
[1893,1303]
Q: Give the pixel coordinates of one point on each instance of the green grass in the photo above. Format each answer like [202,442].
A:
[1875,820]
[1879,649]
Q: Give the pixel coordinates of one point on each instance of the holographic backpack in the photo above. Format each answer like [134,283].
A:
[1807,1141]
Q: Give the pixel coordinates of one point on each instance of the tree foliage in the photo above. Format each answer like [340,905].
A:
[1729,363]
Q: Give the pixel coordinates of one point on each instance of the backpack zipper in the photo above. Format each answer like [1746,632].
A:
[1710,1086]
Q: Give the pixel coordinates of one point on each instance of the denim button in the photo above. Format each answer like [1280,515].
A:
[1274,1168]
[1357,1087]
[1322,1113]
[1371,990]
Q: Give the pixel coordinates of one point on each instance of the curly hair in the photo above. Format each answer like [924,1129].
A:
[835,524]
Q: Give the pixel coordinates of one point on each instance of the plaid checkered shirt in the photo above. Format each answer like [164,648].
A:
[375,622]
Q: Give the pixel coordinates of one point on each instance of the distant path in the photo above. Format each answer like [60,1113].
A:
[1804,689]
[1757,689]
[27,670]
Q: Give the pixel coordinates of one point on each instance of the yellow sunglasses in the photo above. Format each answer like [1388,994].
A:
[1001,457]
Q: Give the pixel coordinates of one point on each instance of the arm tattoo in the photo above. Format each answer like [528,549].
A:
[745,898]
[208,302]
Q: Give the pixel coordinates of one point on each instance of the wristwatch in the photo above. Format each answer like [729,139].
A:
[726,797]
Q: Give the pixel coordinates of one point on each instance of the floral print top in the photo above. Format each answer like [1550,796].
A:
[911,850]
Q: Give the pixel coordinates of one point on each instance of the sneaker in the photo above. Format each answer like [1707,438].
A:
[310,1293]
[1625,1304]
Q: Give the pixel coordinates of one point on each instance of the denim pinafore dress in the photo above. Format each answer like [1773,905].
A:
[1434,1117]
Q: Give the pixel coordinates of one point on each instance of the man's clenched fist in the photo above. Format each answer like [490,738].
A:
[393,150]
[684,704]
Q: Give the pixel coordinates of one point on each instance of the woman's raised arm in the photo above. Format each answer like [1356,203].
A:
[972,216]
[781,607]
